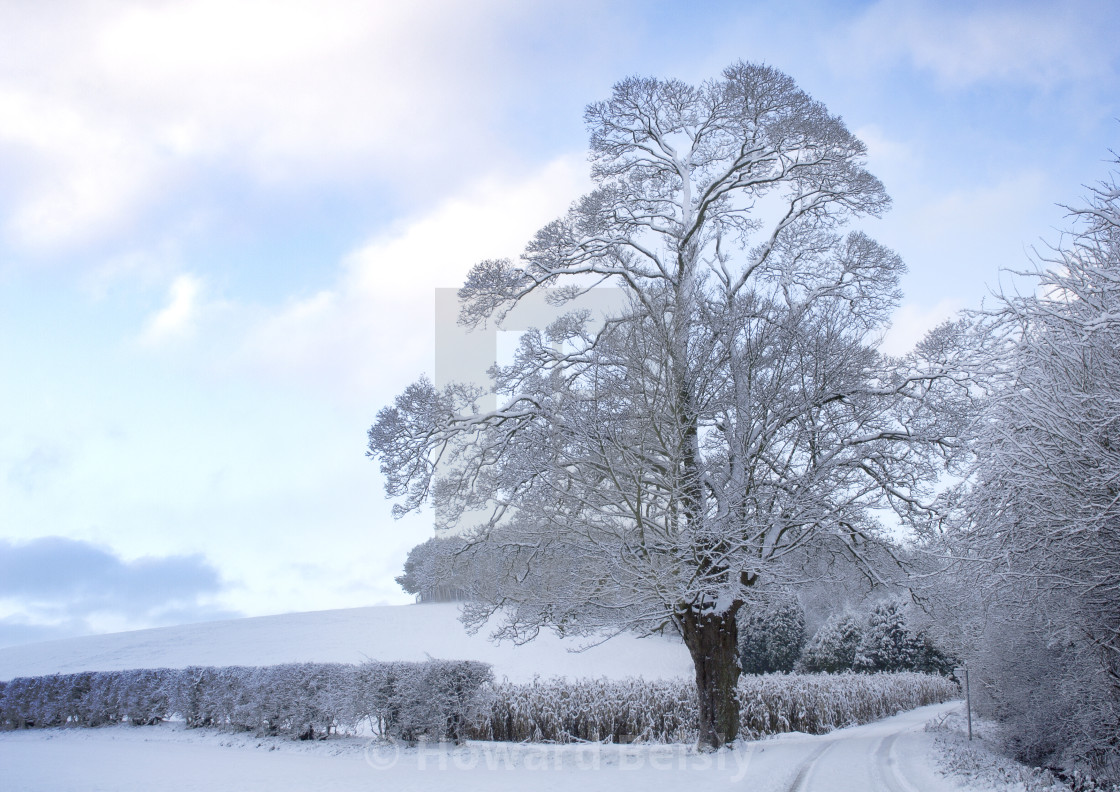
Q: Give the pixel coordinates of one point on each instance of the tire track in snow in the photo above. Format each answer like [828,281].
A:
[867,762]
[806,767]
[887,768]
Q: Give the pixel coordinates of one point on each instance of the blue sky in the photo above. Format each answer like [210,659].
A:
[222,225]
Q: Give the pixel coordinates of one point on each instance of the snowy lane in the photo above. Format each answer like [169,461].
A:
[892,755]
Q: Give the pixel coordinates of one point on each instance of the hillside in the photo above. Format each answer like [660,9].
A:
[402,632]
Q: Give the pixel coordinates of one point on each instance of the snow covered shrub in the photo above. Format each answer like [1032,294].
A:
[832,648]
[557,710]
[55,704]
[144,695]
[91,698]
[26,702]
[665,711]
[372,693]
[410,700]
[770,638]
[408,715]
[452,691]
[1055,702]
[819,703]
[434,699]
[16,704]
[86,698]
[1019,670]
[209,696]
[307,700]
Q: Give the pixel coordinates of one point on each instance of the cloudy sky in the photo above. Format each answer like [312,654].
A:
[222,225]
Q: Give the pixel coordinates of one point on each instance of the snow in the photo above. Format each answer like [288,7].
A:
[402,632]
[975,766]
[893,755]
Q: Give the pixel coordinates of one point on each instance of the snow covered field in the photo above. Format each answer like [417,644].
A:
[403,632]
[893,755]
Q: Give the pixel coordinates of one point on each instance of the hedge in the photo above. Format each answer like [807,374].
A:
[626,710]
[452,700]
[305,700]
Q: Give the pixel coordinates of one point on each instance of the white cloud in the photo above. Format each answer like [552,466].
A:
[374,328]
[81,174]
[177,319]
[885,153]
[493,219]
[108,112]
[1039,44]
[912,321]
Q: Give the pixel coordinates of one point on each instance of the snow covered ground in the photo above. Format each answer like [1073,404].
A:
[403,632]
[894,755]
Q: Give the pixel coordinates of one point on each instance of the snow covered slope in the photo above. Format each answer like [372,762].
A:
[402,632]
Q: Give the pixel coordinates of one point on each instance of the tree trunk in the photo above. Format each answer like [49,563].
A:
[713,641]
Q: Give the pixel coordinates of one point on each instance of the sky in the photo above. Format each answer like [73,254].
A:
[223,226]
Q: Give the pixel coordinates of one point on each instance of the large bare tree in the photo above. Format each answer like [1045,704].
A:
[648,471]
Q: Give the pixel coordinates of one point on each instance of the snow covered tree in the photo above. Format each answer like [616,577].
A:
[887,643]
[932,659]
[430,571]
[1039,534]
[647,471]
[832,648]
[770,639]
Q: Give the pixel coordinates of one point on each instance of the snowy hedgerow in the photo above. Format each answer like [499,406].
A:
[16,704]
[665,711]
[433,699]
[558,710]
[453,700]
[409,700]
[770,639]
[209,696]
[832,648]
[29,701]
[304,699]
[143,696]
[820,703]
